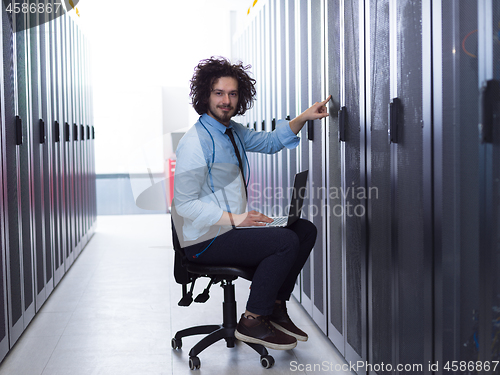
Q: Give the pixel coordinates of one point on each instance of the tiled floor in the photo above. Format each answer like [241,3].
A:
[116,311]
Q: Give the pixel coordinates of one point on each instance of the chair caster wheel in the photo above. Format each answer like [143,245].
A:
[194,363]
[267,361]
[176,343]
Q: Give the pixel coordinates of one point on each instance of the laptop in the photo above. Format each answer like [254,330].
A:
[296,202]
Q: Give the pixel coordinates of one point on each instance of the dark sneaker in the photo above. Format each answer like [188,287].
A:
[260,331]
[280,319]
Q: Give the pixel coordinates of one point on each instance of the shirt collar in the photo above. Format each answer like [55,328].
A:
[216,124]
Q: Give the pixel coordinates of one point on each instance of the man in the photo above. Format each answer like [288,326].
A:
[210,192]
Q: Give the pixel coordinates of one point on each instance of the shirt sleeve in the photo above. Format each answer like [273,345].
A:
[270,142]
[287,137]
[191,173]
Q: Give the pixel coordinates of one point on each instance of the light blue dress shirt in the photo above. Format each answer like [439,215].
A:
[208,180]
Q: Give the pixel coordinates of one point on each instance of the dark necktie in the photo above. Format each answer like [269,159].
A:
[231,137]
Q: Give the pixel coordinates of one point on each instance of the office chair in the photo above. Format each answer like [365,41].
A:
[186,273]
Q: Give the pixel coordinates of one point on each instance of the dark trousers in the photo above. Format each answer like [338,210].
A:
[278,254]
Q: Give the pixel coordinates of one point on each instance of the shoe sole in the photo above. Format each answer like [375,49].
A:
[267,344]
[289,333]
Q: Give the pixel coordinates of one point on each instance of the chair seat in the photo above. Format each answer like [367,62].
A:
[210,270]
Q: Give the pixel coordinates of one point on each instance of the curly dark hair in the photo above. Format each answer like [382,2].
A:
[210,70]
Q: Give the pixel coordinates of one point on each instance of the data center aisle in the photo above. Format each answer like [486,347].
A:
[116,309]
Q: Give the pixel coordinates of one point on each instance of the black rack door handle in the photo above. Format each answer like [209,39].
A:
[273,124]
[19,131]
[75,132]
[394,106]
[310,130]
[342,122]
[490,110]
[42,131]
[57,132]
[66,131]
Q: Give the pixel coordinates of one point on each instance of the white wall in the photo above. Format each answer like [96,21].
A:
[143,56]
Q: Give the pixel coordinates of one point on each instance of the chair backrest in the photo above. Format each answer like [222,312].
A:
[181,275]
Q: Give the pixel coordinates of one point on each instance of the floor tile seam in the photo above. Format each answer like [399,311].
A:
[55,346]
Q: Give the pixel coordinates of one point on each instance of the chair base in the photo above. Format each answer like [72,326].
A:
[216,332]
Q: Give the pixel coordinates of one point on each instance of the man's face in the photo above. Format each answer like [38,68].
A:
[223,99]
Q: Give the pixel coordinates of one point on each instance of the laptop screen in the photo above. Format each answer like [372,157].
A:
[298,194]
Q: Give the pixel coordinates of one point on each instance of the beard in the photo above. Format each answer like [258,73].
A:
[219,115]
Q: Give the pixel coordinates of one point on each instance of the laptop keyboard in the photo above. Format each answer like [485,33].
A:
[278,221]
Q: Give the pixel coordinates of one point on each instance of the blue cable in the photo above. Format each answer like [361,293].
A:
[211,180]
[201,252]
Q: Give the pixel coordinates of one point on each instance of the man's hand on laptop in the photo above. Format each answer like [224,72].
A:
[251,219]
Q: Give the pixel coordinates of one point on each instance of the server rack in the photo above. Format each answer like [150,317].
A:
[36,168]
[46,152]
[291,99]
[280,106]
[273,93]
[334,233]
[302,81]
[13,136]
[261,174]
[58,176]
[26,219]
[36,143]
[489,177]
[411,279]
[4,196]
[316,138]
[266,94]
[380,265]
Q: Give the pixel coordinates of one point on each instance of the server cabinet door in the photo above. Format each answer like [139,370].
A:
[411,181]
[46,152]
[6,147]
[261,170]
[78,137]
[22,48]
[4,339]
[456,191]
[274,94]
[266,94]
[290,91]
[380,277]
[10,163]
[89,120]
[302,31]
[37,141]
[290,96]
[316,139]
[55,146]
[69,176]
[281,111]
[353,181]
[489,175]
[252,118]
[334,232]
